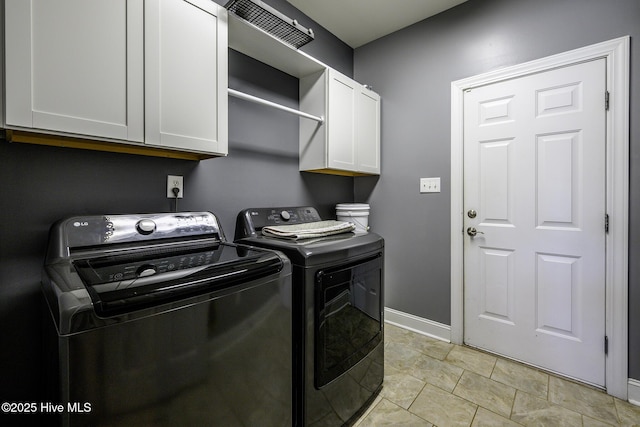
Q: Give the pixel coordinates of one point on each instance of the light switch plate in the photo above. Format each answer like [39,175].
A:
[430,185]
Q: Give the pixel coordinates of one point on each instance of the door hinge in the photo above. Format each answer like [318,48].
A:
[606,344]
[606,100]
[606,223]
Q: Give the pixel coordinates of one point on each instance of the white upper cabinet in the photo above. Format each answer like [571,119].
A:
[348,143]
[186,75]
[75,66]
[368,131]
[132,71]
[342,151]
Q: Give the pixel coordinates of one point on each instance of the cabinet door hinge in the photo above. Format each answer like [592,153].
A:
[606,100]
[606,344]
[606,223]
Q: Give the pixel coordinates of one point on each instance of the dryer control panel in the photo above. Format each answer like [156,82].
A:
[255,218]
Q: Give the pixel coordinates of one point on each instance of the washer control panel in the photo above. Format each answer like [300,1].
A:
[105,270]
[107,229]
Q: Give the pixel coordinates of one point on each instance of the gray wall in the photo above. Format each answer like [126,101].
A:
[413,70]
[42,184]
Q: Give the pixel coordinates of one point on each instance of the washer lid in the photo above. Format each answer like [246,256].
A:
[121,284]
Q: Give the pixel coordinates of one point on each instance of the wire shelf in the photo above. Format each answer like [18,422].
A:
[271,21]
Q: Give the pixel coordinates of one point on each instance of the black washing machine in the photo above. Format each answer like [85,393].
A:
[338,324]
[156,320]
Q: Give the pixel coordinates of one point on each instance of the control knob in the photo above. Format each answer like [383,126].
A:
[146,226]
[146,270]
[285,215]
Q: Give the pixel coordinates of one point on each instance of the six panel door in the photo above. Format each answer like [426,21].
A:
[534,170]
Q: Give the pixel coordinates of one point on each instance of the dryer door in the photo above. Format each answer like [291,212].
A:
[348,316]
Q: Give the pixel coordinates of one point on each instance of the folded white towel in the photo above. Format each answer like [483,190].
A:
[308,230]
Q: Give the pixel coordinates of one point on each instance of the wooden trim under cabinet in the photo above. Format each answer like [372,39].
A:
[113,147]
[338,172]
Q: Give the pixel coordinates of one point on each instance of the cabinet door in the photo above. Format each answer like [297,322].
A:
[341,122]
[186,75]
[75,66]
[368,131]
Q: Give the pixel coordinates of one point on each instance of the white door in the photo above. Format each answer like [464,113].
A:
[534,173]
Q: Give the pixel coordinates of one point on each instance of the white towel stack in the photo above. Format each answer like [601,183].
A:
[309,230]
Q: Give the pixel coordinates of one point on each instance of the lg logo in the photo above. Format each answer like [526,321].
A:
[80,224]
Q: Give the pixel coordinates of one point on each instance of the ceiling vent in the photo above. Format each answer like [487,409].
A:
[271,21]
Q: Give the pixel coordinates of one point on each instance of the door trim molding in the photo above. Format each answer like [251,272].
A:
[616,54]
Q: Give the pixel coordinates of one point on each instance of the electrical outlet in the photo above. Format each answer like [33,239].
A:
[175,181]
[429,185]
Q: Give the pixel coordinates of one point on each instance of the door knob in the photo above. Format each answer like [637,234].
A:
[471,231]
[472,213]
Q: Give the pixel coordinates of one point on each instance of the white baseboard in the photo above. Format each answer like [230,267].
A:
[634,392]
[418,324]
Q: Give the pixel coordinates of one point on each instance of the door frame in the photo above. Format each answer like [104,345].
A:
[616,54]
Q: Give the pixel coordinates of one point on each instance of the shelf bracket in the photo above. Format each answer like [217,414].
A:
[261,101]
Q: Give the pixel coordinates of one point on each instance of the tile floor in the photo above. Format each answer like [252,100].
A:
[433,383]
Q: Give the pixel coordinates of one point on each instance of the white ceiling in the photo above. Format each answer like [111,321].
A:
[357,22]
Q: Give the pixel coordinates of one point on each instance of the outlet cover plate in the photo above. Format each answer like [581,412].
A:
[175,181]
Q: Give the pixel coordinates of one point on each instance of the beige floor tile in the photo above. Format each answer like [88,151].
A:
[419,370]
[431,347]
[485,418]
[532,411]
[628,414]
[397,335]
[590,422]
[435,372]
[400,356]
[485,392]
[521,377]
[443,409]
[583,399]
[387,413]
[472,360]
[400,387]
